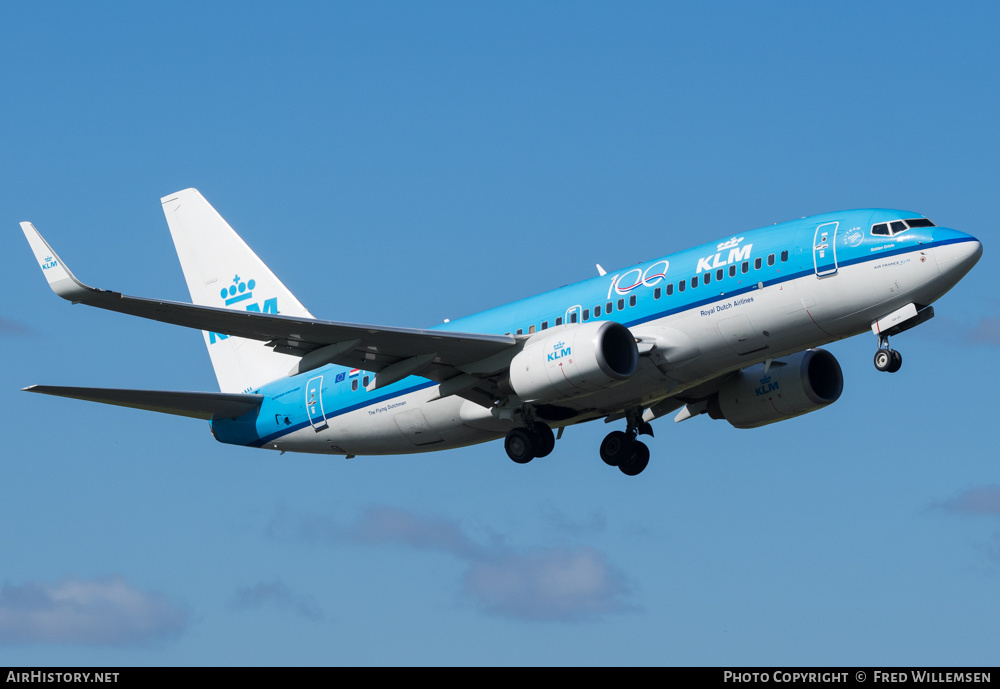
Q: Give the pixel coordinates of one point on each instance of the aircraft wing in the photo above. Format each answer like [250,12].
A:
[397,352]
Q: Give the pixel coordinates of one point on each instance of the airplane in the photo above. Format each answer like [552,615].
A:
[731,329]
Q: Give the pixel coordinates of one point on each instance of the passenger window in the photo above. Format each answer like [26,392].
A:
[681,286]
[756,264]
[586,315]
[365,381]
[572,317]
[670,288]
[531,330]
[597,311]
[545,325]
[607,307]
[770,259]
[354,384]
[784,256]
[520,331]
[718,274]
[621,304]
[732,271]
[657,292]
[631,300]
[694,282]
[745,267]
[708,278]
[559,320]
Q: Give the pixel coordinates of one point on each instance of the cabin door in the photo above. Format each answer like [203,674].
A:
[314,403]
[825,249]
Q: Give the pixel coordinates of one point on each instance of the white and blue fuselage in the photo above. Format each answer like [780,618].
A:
[751,297]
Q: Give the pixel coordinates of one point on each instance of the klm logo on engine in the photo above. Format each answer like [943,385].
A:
[736,254]
[238,292]
[559,350]
[766,386]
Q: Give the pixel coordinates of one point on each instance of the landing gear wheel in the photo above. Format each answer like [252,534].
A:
[888,360]
[543,439]
[519,445]
[637,460]
[616,447]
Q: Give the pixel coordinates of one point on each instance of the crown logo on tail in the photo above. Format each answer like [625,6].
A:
[238,291]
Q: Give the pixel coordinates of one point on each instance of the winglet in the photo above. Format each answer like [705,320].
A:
[60,279]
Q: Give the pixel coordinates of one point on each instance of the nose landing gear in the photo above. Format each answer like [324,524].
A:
[900,320]
[888,360]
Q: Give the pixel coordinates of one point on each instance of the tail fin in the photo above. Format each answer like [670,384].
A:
[222,271]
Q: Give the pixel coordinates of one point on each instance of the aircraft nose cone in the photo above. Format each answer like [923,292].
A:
[960,256]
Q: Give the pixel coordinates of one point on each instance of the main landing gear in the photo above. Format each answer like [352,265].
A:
[523,444]
[888,360]
[622,450]
[619,449]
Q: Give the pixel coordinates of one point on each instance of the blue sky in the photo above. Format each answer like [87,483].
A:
[403,163]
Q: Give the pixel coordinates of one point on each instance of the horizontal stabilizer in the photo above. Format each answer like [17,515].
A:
[198,405]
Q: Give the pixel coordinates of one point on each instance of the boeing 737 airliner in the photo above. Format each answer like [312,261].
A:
[728,328]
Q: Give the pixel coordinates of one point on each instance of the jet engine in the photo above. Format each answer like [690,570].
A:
[791,386]
[573,360]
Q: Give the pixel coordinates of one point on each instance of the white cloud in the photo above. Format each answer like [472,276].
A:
[106,611]
[9,327]
[276,593]
[595,523]
[982,500]
[554,584]
[547,584]
[390,525]
[993,548]
[375,525]
[987,331]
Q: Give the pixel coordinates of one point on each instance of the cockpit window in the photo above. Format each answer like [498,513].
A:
[889,229]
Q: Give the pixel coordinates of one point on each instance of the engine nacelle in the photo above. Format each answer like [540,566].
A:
[573,360]
[792,386]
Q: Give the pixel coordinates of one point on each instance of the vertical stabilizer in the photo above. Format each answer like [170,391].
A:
[222,271]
